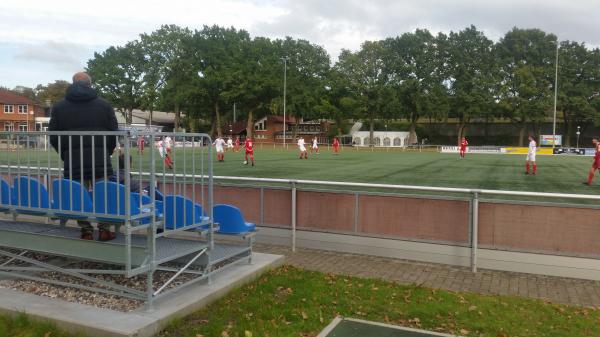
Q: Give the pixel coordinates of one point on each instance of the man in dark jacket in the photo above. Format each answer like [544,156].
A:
[83,110]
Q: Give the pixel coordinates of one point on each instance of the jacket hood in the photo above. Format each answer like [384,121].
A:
[79,92]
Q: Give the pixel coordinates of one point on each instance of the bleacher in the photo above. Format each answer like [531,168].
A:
[163,221]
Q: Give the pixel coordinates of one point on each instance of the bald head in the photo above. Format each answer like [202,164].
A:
[82,78]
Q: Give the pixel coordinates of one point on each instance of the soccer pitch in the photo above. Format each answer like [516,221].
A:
[561,174]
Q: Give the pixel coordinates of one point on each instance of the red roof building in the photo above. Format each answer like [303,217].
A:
[269,129]
[17,112]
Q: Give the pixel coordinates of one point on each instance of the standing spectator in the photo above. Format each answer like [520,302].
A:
[140,144]
[83,110]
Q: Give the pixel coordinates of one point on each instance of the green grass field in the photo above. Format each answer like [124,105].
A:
[563,174]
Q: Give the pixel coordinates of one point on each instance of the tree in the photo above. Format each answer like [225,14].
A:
[469,73]
[526,59]
[160,49]
[307,68]
[414,70]
[256,80]
[578,85]
[52,92]
[118,74]
[367,82]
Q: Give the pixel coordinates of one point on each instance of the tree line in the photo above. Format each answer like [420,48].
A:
[415,76]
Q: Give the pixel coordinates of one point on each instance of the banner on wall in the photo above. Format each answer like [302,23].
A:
[524,150]
[472,149]
[546,140]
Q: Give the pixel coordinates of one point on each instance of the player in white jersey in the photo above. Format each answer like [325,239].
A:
[315,146]
[302,148]
[219,146]
[229,143]
[531,156]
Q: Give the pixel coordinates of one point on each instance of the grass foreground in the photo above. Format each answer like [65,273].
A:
[22,326]
[292,302]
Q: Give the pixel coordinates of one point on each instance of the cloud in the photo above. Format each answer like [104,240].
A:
[61,55]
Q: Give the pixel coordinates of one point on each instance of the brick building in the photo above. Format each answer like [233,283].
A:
[17,112]
[269,129]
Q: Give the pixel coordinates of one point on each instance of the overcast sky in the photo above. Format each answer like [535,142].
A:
[41,41]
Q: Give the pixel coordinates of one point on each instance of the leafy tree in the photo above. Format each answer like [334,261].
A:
[578,86]
[414,68]
[118,74]
[526,59]
[52,92]
[469,73]
[160,49]
[366,81]
[307,68]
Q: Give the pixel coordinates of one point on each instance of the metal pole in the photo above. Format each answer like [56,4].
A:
[474,230]
[284,96]
[293,216]
[234,112]
[555,94]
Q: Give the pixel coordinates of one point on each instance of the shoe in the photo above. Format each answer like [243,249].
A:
[106,235]
[526,172]
[87,236]
[252,163]
[586,183]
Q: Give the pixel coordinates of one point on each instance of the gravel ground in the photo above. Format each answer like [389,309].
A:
[96,299]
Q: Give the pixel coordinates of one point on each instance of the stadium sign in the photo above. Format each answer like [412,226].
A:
[472,149]
[546,140]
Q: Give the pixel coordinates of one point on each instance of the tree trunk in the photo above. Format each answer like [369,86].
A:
[412,136]
[129,119]
[177,118]
[522,132]
[250,124]
[486,130]
[371,131]
[568,132]
[461,129]
[218,119]
[150,117]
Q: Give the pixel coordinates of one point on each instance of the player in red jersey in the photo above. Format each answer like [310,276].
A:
[237,144]
[463,147]
[140,144]
[336,145]
[596,163]
[249,151]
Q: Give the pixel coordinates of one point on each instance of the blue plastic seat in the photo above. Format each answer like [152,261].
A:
[231,220]
[182,212]
[65,190]
[5,194]
[106,194]
[28,192]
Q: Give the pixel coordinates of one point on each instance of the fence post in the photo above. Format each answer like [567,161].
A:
[474,229]
[293,182]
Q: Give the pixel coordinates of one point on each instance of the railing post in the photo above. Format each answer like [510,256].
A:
[293,182]
[474,229]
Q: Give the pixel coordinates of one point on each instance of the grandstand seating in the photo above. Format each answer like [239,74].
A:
[231,220]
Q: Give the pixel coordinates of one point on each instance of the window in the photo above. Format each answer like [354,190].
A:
[22,108]
[8,109]
[318,128]
[23,127]
[8,126]
[386,141]
[397,141]
[312,128]
[366,141]
[356,141]
[376,141]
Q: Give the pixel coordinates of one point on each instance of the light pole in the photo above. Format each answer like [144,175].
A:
[555,95]
[578,133]
[285,59]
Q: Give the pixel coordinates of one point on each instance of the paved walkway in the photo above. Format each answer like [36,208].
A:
[487,282]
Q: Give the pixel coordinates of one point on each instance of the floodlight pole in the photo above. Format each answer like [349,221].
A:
[285,59]
[555,95]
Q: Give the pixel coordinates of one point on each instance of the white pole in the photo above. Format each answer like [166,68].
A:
[555,95]
[284,94]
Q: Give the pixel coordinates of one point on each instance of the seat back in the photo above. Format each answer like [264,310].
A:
[180,212]
[5,193]
[229,218]
[28,192]
[64,191]
[109,198]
